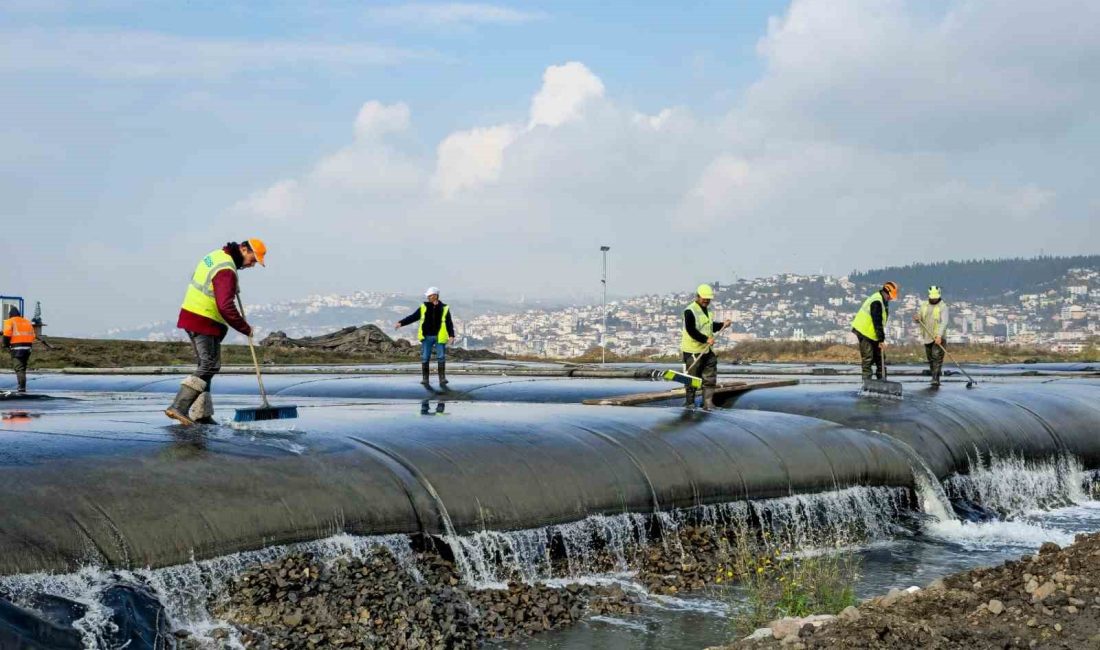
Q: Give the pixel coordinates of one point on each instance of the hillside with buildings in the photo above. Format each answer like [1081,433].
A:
[1058,312]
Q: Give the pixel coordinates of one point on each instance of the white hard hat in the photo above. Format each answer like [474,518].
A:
[431,290]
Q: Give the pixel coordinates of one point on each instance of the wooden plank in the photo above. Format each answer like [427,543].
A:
[729,388]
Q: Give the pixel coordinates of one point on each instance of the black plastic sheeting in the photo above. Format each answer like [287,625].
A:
[122,490]
[949,426]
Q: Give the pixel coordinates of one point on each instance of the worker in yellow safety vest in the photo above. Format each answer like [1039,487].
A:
[18,338]
[697,346]
[869,326]
[434,332]
[209,309]
[932,319]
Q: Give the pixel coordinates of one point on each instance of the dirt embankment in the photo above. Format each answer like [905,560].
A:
[351,345]
[1048,600]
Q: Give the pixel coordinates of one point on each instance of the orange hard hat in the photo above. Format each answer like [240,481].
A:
[259,248]
[891,289]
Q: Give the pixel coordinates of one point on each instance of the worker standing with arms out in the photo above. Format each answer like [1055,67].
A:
[207,313]
[697,346]
[19,337]
[932,319]
[435,330]
[869,326]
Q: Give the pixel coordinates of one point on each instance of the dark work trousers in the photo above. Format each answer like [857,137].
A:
[19,359]
[935,360]
[208,355]
[870,354]
[705,366]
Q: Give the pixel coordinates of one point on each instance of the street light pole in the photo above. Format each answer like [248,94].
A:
[603,338]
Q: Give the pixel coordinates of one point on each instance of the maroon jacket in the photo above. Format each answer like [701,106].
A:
[225,294]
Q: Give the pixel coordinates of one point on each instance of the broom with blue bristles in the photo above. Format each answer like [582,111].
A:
[265,411]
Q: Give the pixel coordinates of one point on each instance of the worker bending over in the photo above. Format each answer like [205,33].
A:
[207,313]
[932,319]
[869,326]
[435,330]
[19,337]
[697,346]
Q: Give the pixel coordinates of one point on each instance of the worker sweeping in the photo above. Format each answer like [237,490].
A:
[932,317]
[869,326]
[697,346]
[208,311]
[434,333]
[18,338]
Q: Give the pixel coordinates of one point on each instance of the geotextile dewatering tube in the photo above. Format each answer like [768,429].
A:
[129,491]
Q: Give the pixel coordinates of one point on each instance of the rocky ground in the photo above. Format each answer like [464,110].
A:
[300,602]
[1047,600]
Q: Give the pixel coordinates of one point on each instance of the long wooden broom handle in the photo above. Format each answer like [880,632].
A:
[255,361]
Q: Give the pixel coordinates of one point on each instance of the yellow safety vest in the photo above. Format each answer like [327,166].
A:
[863,323]
[200,293]
[704,324]
[931,319]
[443,335]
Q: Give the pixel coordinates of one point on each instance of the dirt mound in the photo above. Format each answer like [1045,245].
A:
[364,340]
[1049,600]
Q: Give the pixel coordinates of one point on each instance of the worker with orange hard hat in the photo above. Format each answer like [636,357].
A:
[209,310]
[869,326]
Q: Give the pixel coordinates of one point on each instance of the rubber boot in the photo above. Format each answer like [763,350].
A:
[189,391]
[202,411]
[689,398]
[424,372]
[442,373]
[21,378]
[936,380]
[708,399]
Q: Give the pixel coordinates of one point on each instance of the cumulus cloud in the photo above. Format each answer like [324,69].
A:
[878,132]
[280,200]
[471,158]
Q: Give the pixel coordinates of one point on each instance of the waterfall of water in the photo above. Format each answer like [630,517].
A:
[1013,486]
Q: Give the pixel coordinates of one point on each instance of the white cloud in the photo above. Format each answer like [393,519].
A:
[872,137]
[565,91]
[468,159]
[451,13]
[137,55]
[279,201]
[375,118]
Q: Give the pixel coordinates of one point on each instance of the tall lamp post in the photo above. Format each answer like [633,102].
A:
[603,338]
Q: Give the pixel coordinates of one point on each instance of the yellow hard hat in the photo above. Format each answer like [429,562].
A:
[705,291]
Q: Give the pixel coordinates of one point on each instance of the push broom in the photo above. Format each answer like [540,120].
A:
[265,411]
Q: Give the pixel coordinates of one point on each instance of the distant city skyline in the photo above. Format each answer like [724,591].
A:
[491,148]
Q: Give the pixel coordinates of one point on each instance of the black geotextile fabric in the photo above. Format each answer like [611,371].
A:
[124,490]
[951,426]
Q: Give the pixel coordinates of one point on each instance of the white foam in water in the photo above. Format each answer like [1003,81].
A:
[1012,486]
[996,534]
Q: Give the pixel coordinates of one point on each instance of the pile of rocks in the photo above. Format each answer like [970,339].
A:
[301,602]
[1048,600]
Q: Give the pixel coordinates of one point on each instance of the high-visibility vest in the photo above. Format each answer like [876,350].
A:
[19,331]
[200,293]
[863,323]
[930,316]
[443,335]
[704,324]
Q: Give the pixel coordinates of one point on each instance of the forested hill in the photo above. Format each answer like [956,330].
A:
[982,280]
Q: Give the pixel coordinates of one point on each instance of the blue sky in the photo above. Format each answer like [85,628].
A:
[491,147]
